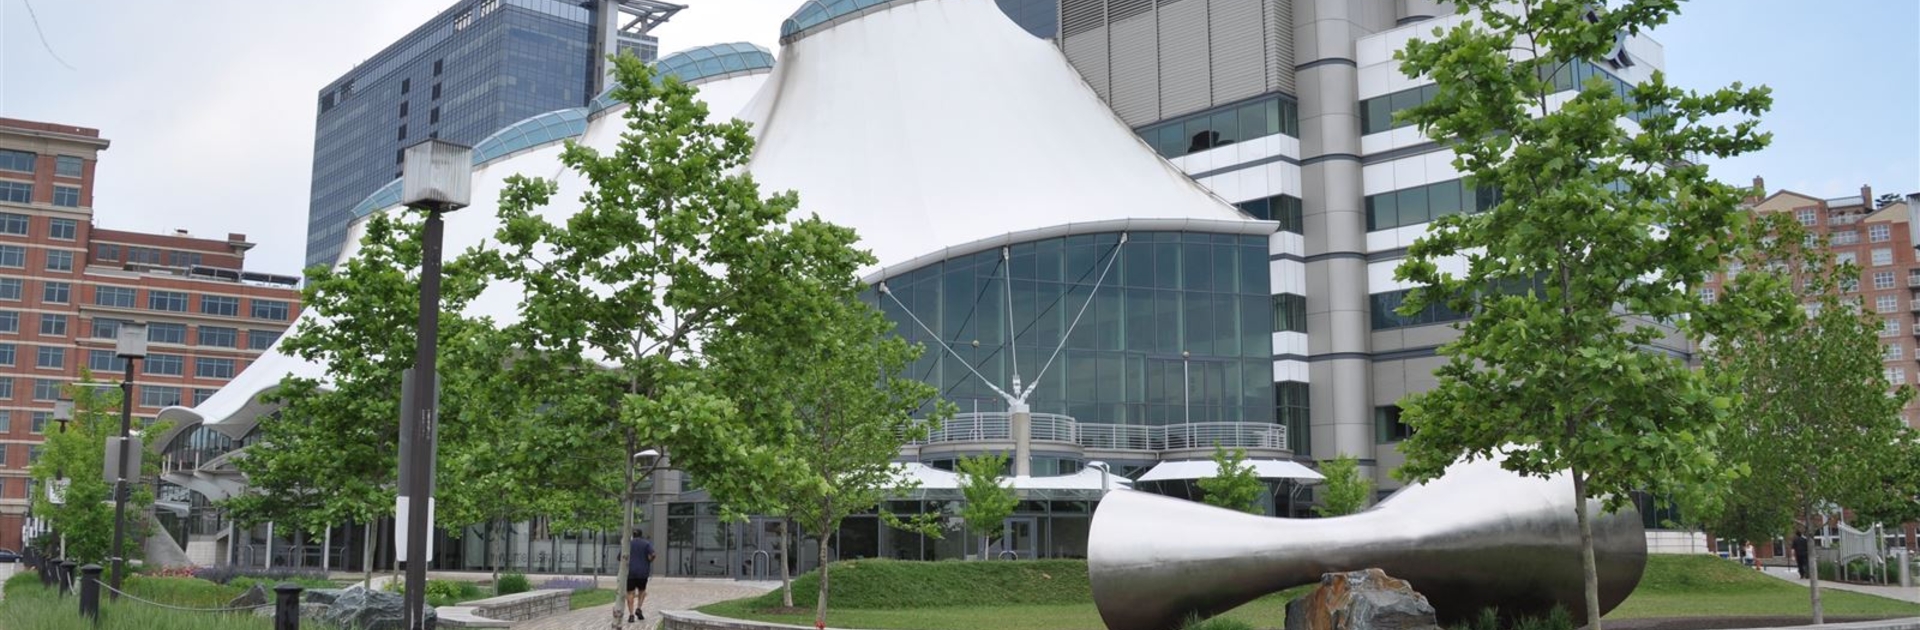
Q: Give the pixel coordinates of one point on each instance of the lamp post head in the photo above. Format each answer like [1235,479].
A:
[62,411]
[437,175]
[131,343]
[646,457]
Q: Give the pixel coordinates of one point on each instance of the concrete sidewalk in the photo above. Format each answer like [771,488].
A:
[1908,594]
[662,594]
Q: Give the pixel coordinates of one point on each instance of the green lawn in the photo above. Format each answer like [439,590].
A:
[29,606]
[1053,595]
[588,598]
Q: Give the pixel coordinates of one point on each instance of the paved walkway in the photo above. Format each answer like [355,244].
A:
[1889,592]
[6,571]
[662,594]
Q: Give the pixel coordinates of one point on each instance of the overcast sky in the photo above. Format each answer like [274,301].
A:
[210,103]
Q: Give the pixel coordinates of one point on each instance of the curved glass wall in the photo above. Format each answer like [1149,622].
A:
[816,12]
[1179,332]
[539,130]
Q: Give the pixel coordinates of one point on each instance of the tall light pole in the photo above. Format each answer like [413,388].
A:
[131,345]
[437,178]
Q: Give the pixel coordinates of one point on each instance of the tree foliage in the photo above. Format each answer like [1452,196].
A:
[1233,484]
[73,458]
[1817,424]
[1345,491]
[1599,230]
[989,501]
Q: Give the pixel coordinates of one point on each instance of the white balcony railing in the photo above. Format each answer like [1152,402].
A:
[1048,427]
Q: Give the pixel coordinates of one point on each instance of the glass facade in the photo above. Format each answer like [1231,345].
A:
[1040,17]
[474,69]
[1179,332]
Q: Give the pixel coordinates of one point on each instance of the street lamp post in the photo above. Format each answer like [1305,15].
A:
[131,345]
[437,178]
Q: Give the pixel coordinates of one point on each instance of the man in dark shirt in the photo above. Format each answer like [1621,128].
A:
[639,566]
[1800,553]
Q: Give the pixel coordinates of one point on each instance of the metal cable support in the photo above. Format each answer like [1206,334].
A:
[149,602]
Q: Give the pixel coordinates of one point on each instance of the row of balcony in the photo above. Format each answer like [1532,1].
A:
[1049,427]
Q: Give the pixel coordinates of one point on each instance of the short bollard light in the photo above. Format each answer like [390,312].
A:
[90,592]
[286,606]
[66,576]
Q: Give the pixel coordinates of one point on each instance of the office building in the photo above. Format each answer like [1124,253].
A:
[66,285]
[470,71]
[1175,223]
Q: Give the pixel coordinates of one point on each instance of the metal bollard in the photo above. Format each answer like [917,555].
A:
[286,606]
[65,575]
[90,592]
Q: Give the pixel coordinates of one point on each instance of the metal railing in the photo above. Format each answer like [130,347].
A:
[1049,427]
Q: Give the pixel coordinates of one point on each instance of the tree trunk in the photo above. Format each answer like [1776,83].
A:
[1813,566]
[820,610]
[626,536]
[366,554]
[1589,572]
[786,576]
[493,555]
[986,544]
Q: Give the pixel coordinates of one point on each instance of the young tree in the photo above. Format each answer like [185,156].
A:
[1233,484]
[988,499]
[1817,423]
[1598,230]
[72,460]
[1345,491]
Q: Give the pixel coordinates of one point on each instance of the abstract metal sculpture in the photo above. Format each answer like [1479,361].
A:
[1478,537]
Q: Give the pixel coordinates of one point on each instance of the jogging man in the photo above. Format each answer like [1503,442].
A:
[639,566]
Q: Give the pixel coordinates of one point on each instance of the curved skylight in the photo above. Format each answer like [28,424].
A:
[386,197]
[539,130]
[817,12]
[698,65]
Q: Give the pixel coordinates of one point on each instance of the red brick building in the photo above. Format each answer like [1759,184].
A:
[66,285]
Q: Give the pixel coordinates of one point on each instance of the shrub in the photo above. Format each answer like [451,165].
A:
[226,573]
[1489,619]
[511,583]
[442,592]
[568,584]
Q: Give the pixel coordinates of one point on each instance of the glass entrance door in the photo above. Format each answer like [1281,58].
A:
[1019,540]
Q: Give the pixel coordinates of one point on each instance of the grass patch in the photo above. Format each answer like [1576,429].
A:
[29,606]
[1054,595]
[590,597]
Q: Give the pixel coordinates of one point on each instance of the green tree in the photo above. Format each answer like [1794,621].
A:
[1817,423]
[1598,232]
[673,243]
[1345,491]
[1233,485]
[72,461]
[988,499]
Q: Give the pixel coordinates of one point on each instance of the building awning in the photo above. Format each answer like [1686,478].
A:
[935,483]
[1262,468]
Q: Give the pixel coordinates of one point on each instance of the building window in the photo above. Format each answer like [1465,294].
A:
[68,166]
[53,325]
[1289,313]
[10,289]
[1890,327]
[107,252]
[1707,294]
[51,358]
[1378,114]
[46,389]
[270,309]
[204,367]
[403,109]
[105,362]
[433,117]
[16,192]
[167,301]
[1847,237]
[1217,128]
[406,85]
[1882,256]
[1896,376]
[13,256]
[106,329]
[17,161]
[1387,426]
[436,91]
[66,196]
[1422,204]
[37,422]
[200,395]
[9,321]
[63,229]
[15,224]
[220,305]
[1886,303]
[218,337]
[159,396]
[6,426]
[183,259]
[1283,208]
[6,393]
[1807,216]
[167,333]
[56,292]
[59,260]
[1293,410]
[1386,317]
[1882,280]
[165,365]
[117,297]
[1893,352]
[403,133]
[261,339]
[7,357]
[1849,284]
[1879,232]
[437,65]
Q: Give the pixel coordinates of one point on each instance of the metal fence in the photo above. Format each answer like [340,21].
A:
[1049,427]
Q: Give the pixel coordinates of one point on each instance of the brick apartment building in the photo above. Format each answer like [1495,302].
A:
[65,287]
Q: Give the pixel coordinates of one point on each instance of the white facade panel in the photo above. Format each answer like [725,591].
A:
[1289,342]
[1289,243]
[1374,80]
[1290,371]
[1238,49]
[1287,276]
[1380,274]
[1135,72]
[1184,51]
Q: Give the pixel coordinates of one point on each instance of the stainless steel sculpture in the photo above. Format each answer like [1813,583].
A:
[1476,538]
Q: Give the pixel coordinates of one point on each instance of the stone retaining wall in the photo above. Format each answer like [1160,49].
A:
[691,620]
[523,606]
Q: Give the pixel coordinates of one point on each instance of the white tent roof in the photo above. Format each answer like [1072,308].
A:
[1262,468]
[931,478]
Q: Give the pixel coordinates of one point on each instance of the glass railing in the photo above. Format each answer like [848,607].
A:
[1047,427]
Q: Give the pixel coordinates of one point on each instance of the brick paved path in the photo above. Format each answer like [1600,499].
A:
[662,594]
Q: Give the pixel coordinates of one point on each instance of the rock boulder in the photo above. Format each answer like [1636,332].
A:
[361,609]
[1361,600]
[256,596]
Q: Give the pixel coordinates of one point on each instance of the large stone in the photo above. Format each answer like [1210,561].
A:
[256,596]
[323,596]
[1361,600]
[361,609]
